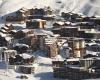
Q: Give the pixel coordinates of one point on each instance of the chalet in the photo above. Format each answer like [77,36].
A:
[20,48]
[48,17]
[48,11]
[85,25]
[40,14]
[65,29]
[3,31]
[9,25]
[51,47]
[41,35]
[37,13]
[96,20]
[26,69]
[19,34]
[85,69]
[7,28]
[78,47]
[83,19]
[23,12]
[5,40]
[15,19]
[43,40]
[70,16]
[56,31]
[90,62]
[60,23]
[36,24]
[69,32]
[65,15]
[24,63]
[22,59]
[95,33]
[88,33]
[31,40]
[94,47]
[20,16]
[22,33]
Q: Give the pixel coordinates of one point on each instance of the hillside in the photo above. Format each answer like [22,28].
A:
[87,7]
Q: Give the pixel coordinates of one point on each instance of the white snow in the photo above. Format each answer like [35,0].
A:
[44,71]
[8,38]
[25,56]
[2,34]
[73,59]
[58,58]
[87,7]
[21,45]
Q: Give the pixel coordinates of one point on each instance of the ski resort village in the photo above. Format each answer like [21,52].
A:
[40,44]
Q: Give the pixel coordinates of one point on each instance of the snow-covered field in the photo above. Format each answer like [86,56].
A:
[87,7]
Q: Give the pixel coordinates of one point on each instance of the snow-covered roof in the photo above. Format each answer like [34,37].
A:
[56,35]
[68,22]
[91,58]
[65,45]
[33,20]
[73,59]
[30,35]
[93,52]
[35,65]
[58,58]
[10,51]
[21,10]
[3,30]
[8,38]
[2,34]
[3,48]
[60,23]
[50,40]
[25,55]
[61,42]
[14,31]
[8,24]
[5,27]
[42,32]
[26,30]
[92,43]
[20,45]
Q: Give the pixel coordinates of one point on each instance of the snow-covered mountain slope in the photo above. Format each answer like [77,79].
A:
[87,7]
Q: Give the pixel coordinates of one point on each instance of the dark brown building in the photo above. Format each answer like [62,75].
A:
[36,24]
